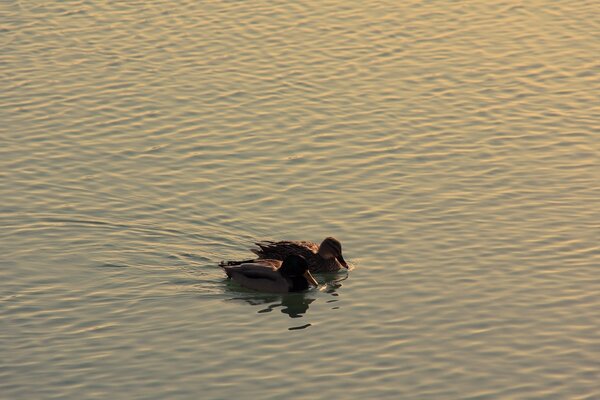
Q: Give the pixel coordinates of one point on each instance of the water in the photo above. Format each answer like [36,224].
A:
[453,148]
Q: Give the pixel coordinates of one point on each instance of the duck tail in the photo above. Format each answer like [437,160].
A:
[232,263]
[263,248]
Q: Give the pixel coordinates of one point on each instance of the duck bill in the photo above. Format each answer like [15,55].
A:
[310,278]
[342,261]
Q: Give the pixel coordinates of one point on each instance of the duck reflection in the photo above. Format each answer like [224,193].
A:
[295,305]
[333,282]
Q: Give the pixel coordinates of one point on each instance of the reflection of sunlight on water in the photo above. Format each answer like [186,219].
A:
[295,305]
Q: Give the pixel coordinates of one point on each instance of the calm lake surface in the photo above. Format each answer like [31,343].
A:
[452,147]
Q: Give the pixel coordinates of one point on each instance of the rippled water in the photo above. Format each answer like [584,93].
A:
[452,147]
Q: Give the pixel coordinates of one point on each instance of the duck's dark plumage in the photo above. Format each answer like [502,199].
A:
[326,257]
[275,276]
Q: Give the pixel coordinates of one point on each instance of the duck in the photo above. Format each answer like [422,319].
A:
[273,276]
[326,257]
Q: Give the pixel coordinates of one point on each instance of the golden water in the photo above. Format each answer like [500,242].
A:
[452,147]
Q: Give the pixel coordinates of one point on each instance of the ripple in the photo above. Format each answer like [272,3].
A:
[451,147]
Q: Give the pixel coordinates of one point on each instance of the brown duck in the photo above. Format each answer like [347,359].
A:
[326,257]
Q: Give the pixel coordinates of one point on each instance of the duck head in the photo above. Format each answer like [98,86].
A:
[332,248]
[295,269]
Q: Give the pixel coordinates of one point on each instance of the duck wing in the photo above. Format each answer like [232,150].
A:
[275,264]
[280,250]
[266,267]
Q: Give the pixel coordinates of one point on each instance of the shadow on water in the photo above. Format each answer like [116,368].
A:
[295,305]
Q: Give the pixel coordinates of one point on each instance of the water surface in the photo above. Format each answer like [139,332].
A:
[452,147]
